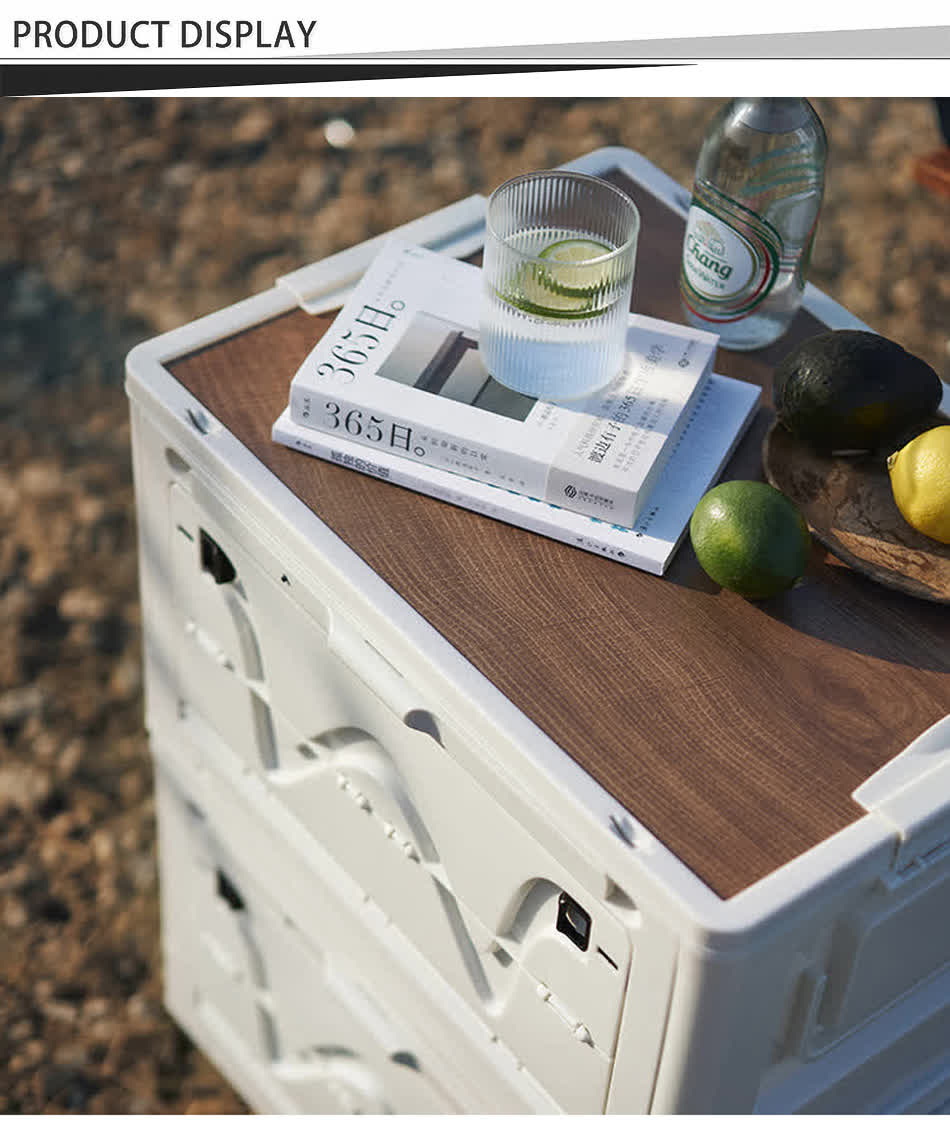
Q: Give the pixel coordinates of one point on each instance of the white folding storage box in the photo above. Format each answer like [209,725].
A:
[386,888]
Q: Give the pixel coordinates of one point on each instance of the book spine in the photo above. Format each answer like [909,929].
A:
[400,435]
[595,537]
[684,420]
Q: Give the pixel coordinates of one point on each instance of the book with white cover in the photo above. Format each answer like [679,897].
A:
[715,424]
[399,369]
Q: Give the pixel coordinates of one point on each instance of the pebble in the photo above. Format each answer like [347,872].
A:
[39,479]
[17,704]
[22,785]
[73,1054]
[179,175]
[126,679]
[83,603]
[69,757]
[73,164]
[59,1011]
[256,124]
[95,1007]
[339,133]
[103,846]
[14,913]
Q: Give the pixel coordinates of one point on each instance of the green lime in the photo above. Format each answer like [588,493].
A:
[582,281]
[750,538]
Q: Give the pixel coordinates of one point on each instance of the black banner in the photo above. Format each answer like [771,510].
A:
[29,79]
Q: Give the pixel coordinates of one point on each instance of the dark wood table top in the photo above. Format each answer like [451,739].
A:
[734,731]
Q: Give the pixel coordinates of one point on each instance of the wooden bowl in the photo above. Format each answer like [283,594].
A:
[848,505]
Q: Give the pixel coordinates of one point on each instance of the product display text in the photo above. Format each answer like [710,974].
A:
[154,34]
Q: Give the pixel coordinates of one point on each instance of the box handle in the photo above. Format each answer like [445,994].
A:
[912,793]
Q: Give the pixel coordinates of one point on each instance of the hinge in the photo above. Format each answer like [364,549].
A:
[912,795]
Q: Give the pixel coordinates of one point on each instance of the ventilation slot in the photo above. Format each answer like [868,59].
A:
[177,463]
[228,893]
[603,954]
[502,957]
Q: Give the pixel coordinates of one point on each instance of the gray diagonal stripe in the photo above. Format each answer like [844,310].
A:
[893,43]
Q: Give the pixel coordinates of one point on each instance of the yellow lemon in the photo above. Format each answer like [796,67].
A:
[920,480]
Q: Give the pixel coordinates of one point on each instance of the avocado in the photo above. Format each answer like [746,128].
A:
[852,391]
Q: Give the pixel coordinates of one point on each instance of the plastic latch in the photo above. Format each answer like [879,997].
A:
[457,230]
[573,921]
[912,794]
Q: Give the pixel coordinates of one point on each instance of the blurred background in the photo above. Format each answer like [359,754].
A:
[128,217]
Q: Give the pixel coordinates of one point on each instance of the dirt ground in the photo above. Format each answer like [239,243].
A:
[125,218]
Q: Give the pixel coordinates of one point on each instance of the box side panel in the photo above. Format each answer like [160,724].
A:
[898,1062]
[505,998]
[282,1013]
[374,771]
[326,905]
[844,1010]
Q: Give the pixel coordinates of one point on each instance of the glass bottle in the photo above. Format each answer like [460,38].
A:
[756,195]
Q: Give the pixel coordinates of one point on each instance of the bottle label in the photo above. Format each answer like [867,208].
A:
[730,257]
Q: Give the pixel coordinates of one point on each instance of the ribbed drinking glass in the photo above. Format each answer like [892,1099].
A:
[560,249]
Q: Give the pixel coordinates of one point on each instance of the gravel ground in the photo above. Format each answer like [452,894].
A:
[129,217]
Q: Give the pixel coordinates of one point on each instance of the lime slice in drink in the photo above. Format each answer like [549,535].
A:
[582,252]
[531,293]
